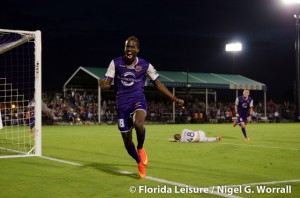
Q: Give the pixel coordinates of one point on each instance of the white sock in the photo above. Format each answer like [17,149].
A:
[211,139]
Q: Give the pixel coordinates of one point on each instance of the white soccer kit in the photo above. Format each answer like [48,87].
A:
[192,136]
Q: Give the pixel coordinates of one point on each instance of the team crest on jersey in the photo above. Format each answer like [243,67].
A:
[138,68]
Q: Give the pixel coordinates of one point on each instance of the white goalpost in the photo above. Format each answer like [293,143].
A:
[20,93]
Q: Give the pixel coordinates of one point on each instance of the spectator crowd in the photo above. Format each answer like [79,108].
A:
[81,107]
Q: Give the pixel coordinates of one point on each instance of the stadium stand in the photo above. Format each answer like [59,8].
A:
[86,78]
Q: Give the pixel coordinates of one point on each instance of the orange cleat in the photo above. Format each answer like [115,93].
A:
[143,156]
[219,137]
[142,170]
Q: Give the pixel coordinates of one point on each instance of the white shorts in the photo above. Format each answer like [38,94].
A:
[202,136]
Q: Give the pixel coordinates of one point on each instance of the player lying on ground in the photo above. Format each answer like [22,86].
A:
[194,136]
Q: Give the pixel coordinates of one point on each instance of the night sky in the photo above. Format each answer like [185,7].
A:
[174,35]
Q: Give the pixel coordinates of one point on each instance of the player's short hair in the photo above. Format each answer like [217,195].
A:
[177,136]
[134,39]
[246,90]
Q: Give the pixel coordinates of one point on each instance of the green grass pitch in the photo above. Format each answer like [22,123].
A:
[272,155]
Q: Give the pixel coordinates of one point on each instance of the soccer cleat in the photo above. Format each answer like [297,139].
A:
[30,131]
[142,170]
[219,137]
[234,123]
[247,139]
[143,156]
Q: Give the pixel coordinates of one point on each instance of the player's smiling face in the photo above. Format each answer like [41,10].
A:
[131,50]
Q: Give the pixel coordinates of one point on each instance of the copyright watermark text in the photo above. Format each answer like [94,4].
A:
[229,190]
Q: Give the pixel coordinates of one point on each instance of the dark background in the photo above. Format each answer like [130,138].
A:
[174,35]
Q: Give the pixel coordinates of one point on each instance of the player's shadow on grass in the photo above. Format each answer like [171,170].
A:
[111,169]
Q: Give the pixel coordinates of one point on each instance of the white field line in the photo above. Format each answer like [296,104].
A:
[260,146]
[147,177]
[211,191]
[267,183]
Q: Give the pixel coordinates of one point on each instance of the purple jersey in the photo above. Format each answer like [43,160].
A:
[129,85]
[243,105]
[129,82]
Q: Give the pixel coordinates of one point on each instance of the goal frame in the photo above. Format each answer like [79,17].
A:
[38,90]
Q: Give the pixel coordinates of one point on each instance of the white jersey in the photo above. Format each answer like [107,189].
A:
[192,136]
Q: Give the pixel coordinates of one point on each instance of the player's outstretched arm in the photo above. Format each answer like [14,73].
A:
[161,87]
[105,83]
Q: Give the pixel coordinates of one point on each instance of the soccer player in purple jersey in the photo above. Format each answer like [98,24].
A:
[129,73]
[243,110]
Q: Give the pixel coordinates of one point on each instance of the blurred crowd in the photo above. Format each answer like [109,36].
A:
[81,107]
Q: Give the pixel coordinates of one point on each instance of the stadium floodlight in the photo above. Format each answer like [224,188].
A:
[20,93]
[290,1]
[233,47]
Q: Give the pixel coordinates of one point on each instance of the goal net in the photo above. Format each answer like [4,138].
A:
[20,93]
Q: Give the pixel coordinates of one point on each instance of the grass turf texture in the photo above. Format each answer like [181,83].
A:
[273,154]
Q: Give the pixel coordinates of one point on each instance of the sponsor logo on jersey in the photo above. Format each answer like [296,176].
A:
[128,79]
[245,105]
